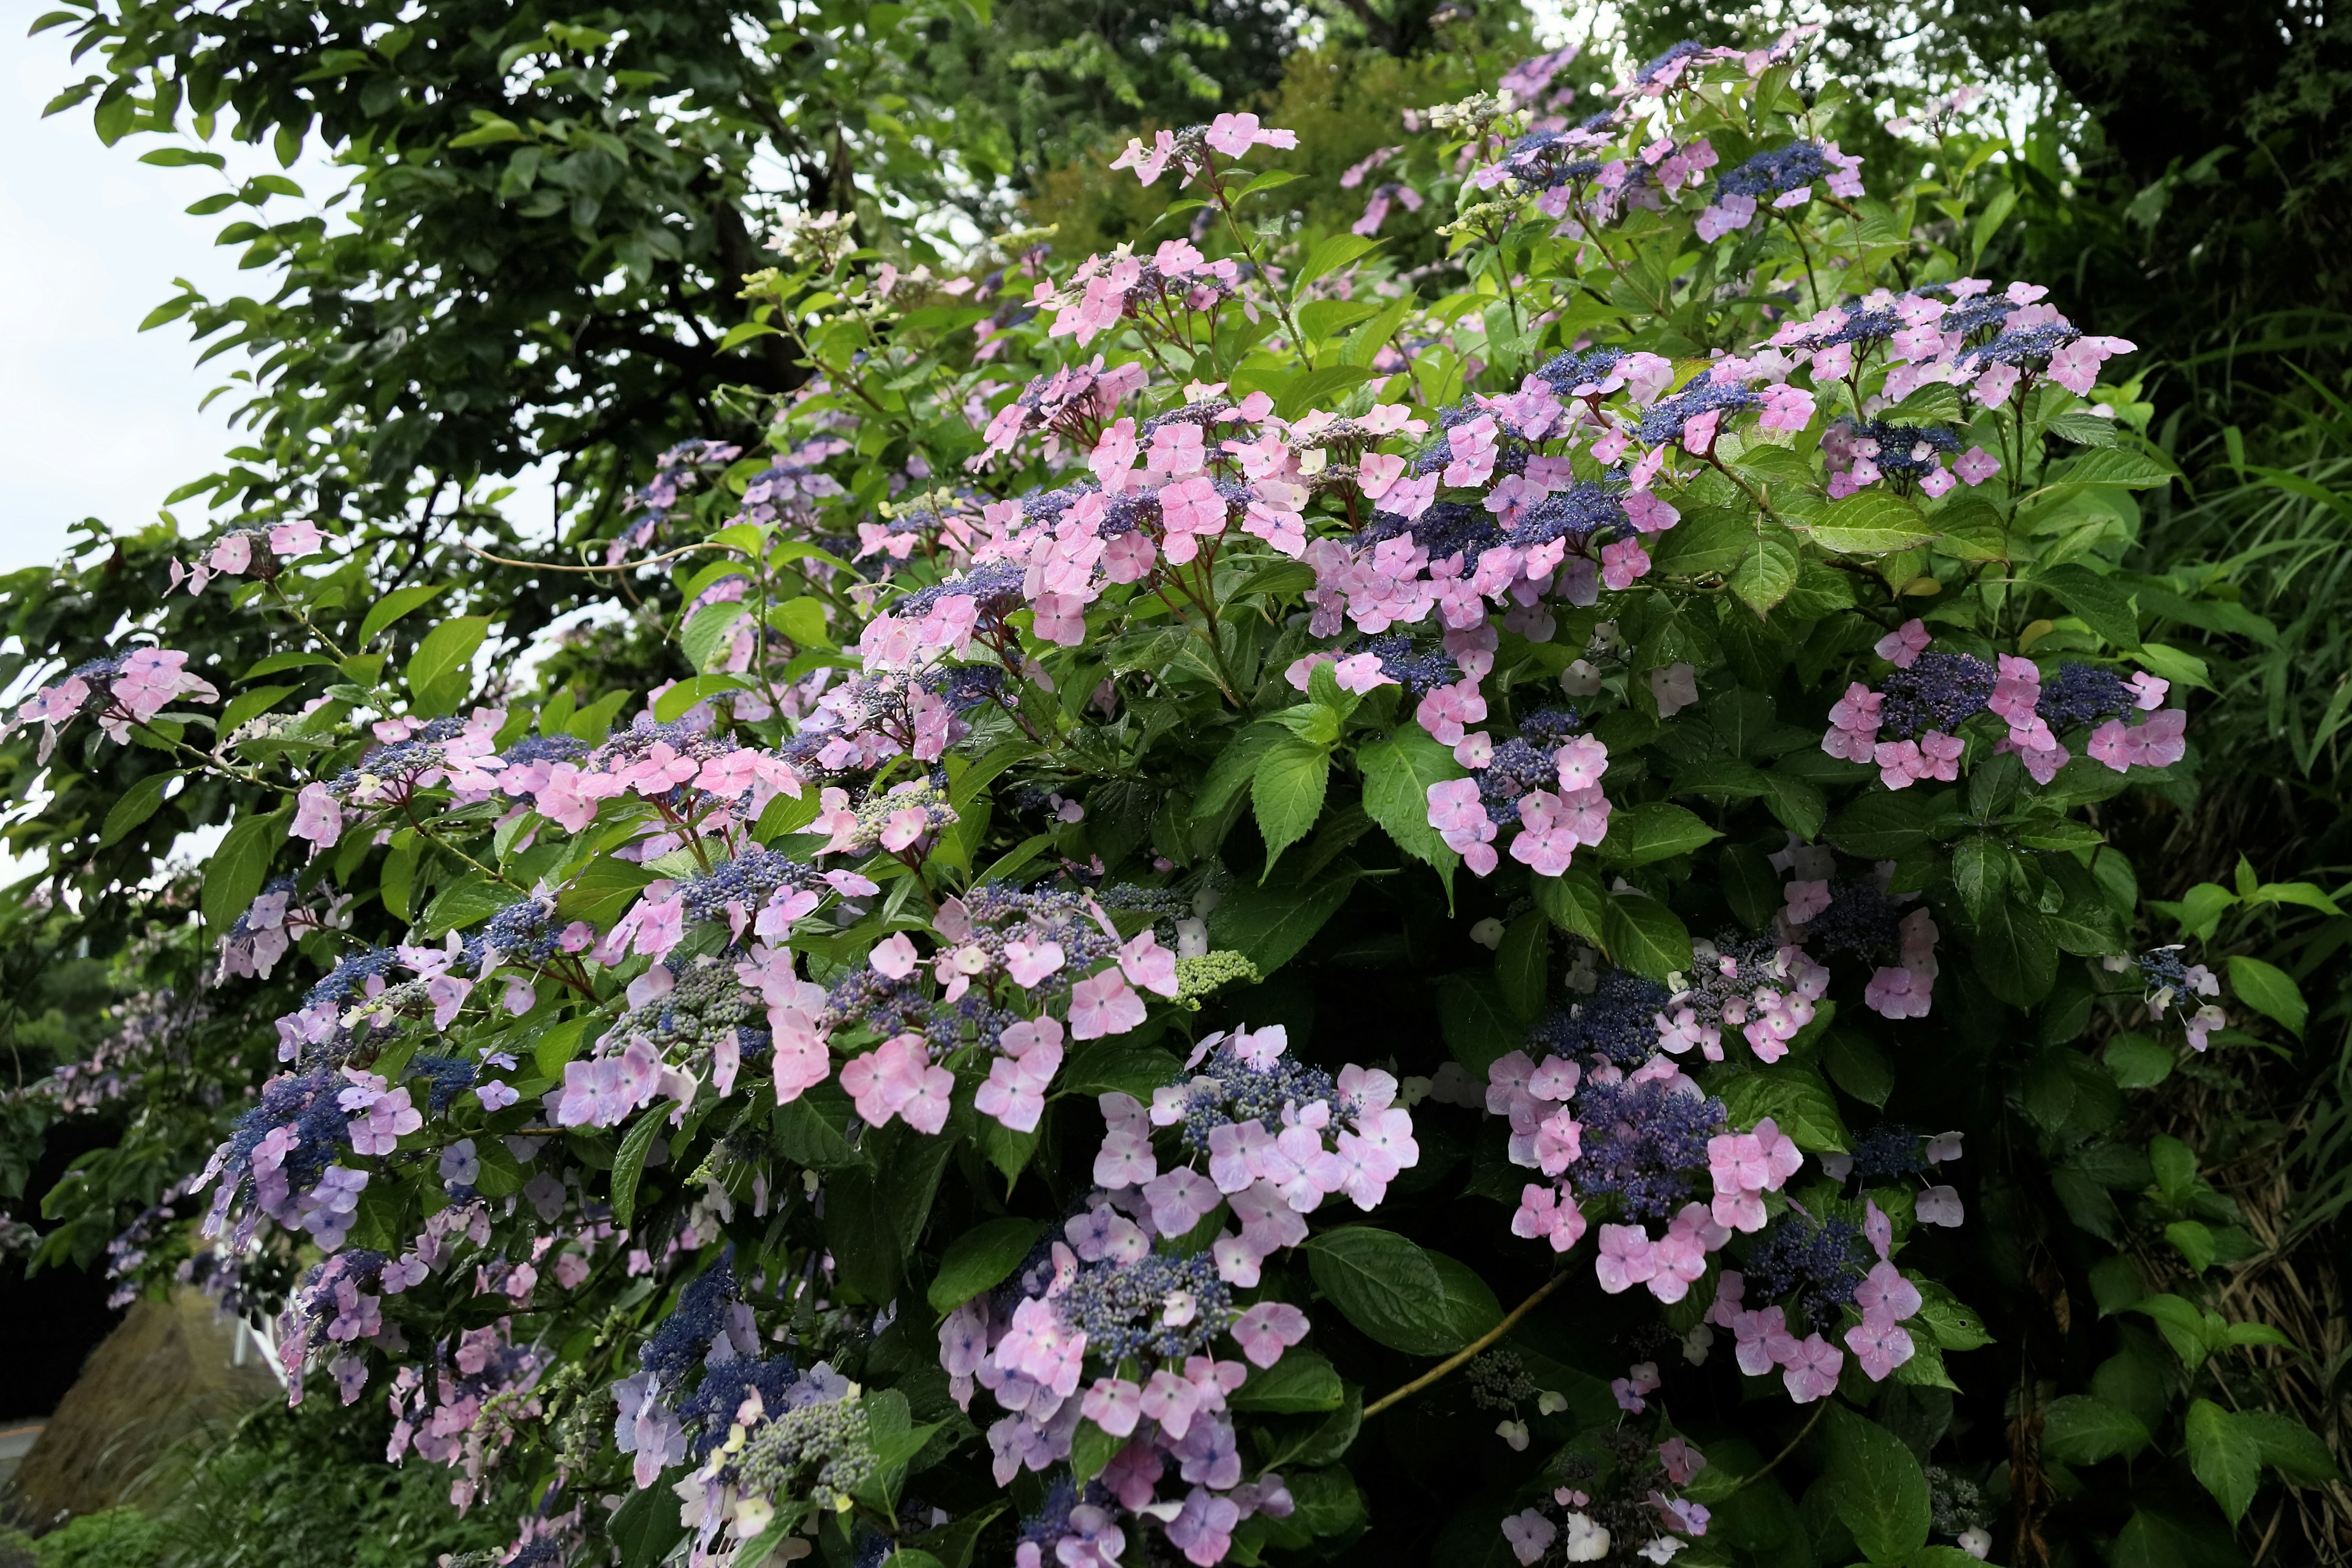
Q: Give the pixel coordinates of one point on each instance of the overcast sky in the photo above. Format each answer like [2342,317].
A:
[96,417]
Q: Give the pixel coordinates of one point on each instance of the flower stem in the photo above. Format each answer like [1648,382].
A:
[1449,1363]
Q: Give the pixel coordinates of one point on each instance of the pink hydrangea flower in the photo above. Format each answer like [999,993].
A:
[1235,134]
[1812,1372]
[1901,647]
[1102,1005]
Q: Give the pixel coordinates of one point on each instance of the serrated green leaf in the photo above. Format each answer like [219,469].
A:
[983,1257]
[135,805]
[2100,603]
[2268,990]
[629,1164]
[1875,1487]
[234,874]
[1387,1287]
[395,604]
[1644,936]
[2083,1430]
[1398,771]
[1653,830]
[2224,1456]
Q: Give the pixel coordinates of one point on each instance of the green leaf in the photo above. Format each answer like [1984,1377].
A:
[1269,925]
[1792,1095]
[1644,936]
[1881,826]
[1287,792]
[1522,961]
[1479,1027]
[1387,1287]
[2224,1456]
[2267,989]
[1468,1307]
[2195,1242]
[1575,902]
[2081,1430]
[2137,1062]
[629,1164]
[2119,466]
[2016,953]
[1875,1487]
[439,672]
[395,604]
[1952,1322]
[472,898]
[2175,664]
[1653,830]
[1872,522]
[983,1257]
[1316,387]
[1767,573]
[1857,1066]
[1270,180]
[1398,771]
[1302,1383]
[2100,603]
[645,1526]
[234,874]
[135,805]
[182,157]
[2290,1448]
[1277,579]
[1235,767]
[705,637]
[1329,256]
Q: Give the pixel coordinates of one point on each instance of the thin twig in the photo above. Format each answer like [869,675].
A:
[624,567]
[1747,1481]
[1466,1352]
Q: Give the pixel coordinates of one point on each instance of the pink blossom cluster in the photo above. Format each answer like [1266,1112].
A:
[1172,1413]
[1766,990]
[1546,1136]
[1107,289]
[1073,404]
[1928,349]
[1352,1141]
[243,549]
[1231,134]
[1552,824]
[130,689]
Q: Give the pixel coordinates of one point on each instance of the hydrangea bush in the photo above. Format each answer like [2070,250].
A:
[1295,908]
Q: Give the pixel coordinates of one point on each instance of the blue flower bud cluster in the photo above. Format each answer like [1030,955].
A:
[1587,515]
[1940,691]
[685,1337]
[445,1079]
[1122,1308]
[1772,173]
[1568,369]
[1235,1091]
[748,879]
[1862,920]
[1666,419]
[522,932]
[1898,447]
[1645,1144]
[306,1102]
[1817,1261]
[1618,1023]
[2082,694]
[1889,1149]
[1418,673]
